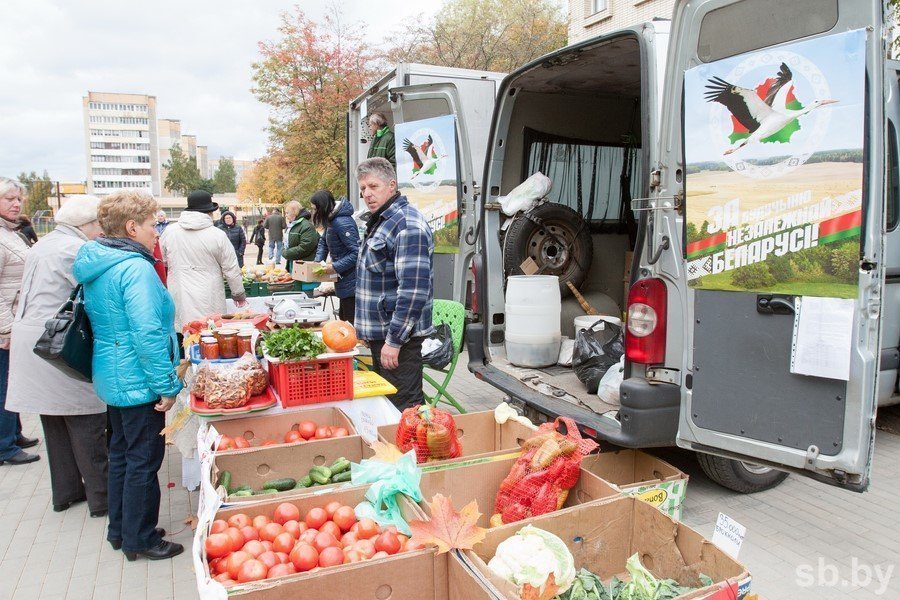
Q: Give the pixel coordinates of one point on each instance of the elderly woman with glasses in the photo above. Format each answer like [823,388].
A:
[73,417]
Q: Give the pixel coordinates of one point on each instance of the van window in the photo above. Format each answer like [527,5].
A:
[754,24]
[893,175]
[587,177]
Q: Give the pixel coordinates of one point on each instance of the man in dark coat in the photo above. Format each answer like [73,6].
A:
[275,225]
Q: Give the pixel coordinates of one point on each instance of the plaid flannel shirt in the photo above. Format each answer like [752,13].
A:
[394,277]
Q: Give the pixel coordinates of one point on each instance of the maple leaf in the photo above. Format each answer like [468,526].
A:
[385,452]
[448,529]
[545,592]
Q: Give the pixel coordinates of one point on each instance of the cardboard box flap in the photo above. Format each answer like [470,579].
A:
[626,468]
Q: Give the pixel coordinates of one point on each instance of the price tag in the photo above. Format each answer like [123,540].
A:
[729,535]
[365,425]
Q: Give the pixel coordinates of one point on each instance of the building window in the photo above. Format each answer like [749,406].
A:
[599,6]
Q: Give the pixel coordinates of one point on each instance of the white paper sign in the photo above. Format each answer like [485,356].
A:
[729,535]
[823,333]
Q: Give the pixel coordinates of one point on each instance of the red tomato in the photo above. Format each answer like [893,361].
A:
[366,548]
[217,545]
[237,538]
[323,433]
[223,577]
[309,536]
[281,570]
[344,517]
[325,540]
[241,442]
[218,526]
[292,436]
[331,556]
[270,532]
[316,517]
[349,538]
[415,545]
[283,557]
[355,528]
[260,521]
[403,539]
[293,528]
[250,533]
[339,432]
[387,542]
[331,508]
[270,559]
[225,443]
[270,443]
[254,548]
[266,544]
[380,554]
[367,529]
[307,429]
[252,570]
[234,562]
[239,520]
[304,557]
[330,527]
[352,556]
[284,542]
[286,512]
[391,528]
[214,565]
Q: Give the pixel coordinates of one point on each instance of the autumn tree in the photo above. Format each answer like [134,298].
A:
[308,76]
[490,35]
[271,181]
[38,188]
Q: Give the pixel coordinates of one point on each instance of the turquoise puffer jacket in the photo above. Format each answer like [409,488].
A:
[132,317]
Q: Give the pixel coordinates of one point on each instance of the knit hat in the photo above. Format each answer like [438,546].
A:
[78,210]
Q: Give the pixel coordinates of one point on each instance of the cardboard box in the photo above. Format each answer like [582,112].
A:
[603,535]
[255,466]
[261,428]
[481,481]
[409,575]
[479,434]
[305,271]
[639,474]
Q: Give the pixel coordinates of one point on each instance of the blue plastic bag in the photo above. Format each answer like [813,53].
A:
[388,480]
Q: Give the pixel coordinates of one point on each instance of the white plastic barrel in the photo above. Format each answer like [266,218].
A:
[533,306]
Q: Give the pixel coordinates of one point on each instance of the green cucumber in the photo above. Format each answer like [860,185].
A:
[340,477]
[303,482]
[265,491]
[225,479]
[282,485]
[241,493]
[320,475]
[340,465]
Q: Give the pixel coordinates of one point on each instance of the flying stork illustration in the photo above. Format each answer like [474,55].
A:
[761,117]
[423,156]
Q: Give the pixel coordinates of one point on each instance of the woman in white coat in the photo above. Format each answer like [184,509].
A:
[73,417]
[199,256]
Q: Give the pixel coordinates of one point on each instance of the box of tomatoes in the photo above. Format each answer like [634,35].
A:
[310,425]
[315,547]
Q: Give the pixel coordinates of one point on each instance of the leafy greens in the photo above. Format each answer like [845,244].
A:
[293,343]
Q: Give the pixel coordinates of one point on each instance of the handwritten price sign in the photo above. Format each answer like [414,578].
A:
[729,535]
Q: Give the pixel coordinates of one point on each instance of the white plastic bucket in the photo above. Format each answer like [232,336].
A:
[585,321]
[533,306]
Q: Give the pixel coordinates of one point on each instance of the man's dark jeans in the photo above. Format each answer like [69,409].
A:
[407,377]
[10,425]
[136,453]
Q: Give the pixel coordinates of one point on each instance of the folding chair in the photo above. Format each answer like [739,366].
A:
[453,314]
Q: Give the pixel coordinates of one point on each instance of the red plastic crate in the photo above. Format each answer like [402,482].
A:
[313,381]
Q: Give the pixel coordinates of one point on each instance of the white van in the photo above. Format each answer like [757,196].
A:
[716,362]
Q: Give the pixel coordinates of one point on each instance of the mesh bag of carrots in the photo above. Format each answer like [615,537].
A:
[430,431]
[540,480]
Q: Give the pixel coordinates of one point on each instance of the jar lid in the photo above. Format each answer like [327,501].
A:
[228,332]
[245,333]
[209,340]
[206,332]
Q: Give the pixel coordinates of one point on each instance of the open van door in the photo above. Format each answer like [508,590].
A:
[773,144]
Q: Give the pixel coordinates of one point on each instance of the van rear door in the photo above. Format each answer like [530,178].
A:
[774,144]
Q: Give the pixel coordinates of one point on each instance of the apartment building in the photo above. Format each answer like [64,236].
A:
[169,131]
[121,143]
[590,18]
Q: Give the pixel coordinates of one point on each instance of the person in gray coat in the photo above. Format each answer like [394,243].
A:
[73,417]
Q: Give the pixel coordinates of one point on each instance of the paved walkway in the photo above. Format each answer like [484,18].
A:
[800,524]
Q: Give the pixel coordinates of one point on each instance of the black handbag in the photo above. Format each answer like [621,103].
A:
[68,342]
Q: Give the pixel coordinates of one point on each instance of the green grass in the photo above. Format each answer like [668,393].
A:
[796,287]
[445,249]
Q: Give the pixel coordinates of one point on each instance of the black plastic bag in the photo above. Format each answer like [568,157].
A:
[441,356]
[597,348]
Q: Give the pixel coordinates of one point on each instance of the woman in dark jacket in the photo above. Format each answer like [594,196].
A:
[340,240]
[235,234]
[259,238]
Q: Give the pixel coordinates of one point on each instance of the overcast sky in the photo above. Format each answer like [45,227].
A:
[193,55]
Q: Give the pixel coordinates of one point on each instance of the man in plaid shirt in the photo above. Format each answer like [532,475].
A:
[394,282]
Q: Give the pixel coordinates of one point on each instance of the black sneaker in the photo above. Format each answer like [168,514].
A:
[22,458]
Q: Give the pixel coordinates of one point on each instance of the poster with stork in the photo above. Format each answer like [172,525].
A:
[774,156]
[428,176]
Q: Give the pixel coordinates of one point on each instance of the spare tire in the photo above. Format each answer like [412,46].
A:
[556,237]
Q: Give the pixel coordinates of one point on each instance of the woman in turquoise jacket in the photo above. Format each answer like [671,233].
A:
[135,354]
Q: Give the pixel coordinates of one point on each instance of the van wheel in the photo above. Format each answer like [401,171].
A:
[556,237]
[746,478]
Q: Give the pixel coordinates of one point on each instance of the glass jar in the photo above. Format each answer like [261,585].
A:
[228,343]
[245,342]
[209,348]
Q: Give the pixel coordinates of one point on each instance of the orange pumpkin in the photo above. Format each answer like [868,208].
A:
[340,336]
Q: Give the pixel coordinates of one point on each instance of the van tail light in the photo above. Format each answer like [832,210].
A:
[645,334]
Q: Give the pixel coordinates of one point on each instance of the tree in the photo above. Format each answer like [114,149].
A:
[37,190]
[270,181]
[225,176]
[753,276]
[491,35]
[183,176]
[308,76]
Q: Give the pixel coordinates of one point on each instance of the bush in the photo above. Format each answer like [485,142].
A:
[845,261]
[753,276]
[781,268]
